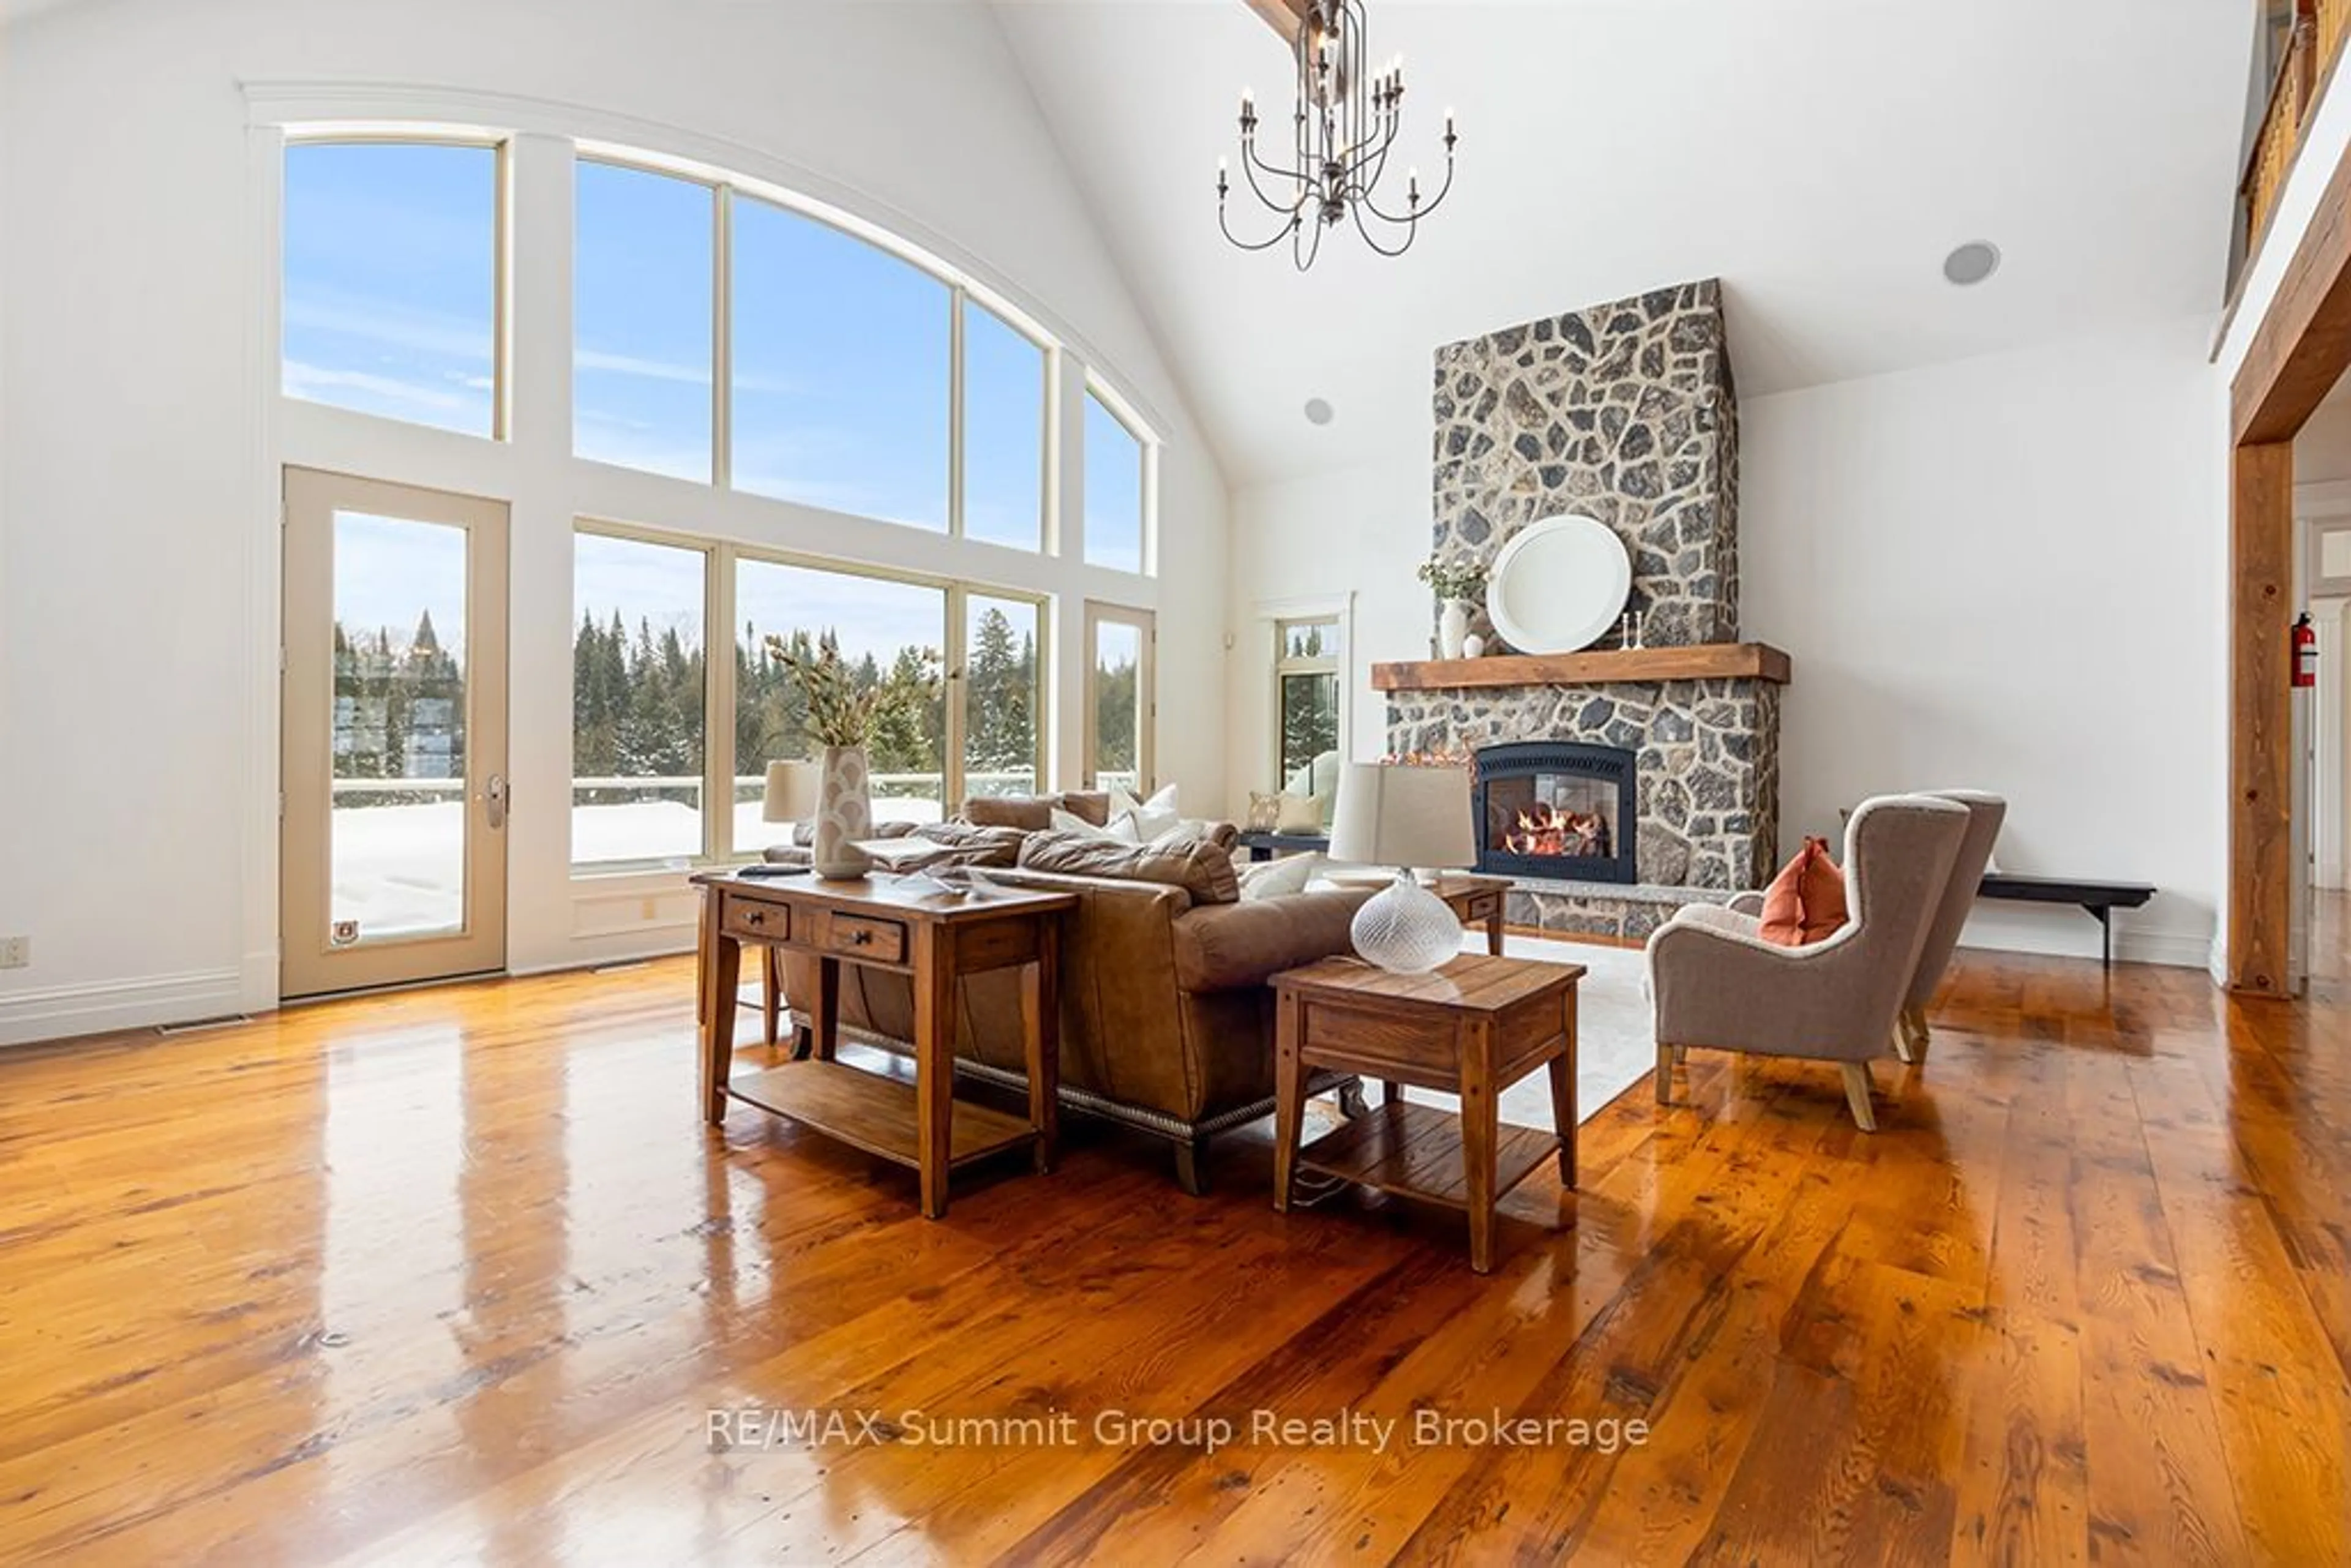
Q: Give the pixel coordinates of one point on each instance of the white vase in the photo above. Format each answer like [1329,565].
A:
[845,814]
[1406,929]
[1452,628]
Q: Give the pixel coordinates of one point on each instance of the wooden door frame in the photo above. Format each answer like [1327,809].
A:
[2300,349]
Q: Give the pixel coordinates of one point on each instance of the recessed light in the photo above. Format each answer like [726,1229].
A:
[1971,263]
[1319,411]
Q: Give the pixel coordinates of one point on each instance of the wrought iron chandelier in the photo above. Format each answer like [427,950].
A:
[1345,124]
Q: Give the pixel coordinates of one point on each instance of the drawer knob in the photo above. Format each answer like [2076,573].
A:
[859,938]
[754,917]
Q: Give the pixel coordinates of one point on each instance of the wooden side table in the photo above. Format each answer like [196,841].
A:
[1472,1029]
[1475,900]
[935,941]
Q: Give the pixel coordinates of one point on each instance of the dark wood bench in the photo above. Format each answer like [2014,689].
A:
[1264,845]
[2098,899]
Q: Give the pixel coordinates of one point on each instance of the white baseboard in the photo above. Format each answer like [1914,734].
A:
[98,1007]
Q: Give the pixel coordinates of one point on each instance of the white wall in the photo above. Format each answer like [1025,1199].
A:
[140,428]
[1995,573]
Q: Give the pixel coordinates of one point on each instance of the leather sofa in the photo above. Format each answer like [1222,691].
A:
[1167,1019]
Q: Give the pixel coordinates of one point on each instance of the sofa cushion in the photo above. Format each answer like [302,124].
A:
[1093,805]
[1199,868]
[1805,903]
[972,844]
[1029,813]
[1248,943]
[1034,813]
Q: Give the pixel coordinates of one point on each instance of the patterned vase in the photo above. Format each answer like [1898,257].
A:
[845,814]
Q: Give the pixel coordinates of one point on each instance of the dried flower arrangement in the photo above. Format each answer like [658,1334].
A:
[838,714]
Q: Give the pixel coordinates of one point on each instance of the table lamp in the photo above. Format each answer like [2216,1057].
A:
[1407,818]
[791,794]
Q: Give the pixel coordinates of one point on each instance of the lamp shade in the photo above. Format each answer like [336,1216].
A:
[1399,816]
[792,792]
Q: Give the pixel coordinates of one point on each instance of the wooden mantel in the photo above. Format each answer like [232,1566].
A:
[1707,662]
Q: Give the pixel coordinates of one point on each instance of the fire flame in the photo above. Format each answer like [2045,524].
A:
[1546,830]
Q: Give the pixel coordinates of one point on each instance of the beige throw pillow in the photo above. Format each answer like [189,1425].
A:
[1299,814]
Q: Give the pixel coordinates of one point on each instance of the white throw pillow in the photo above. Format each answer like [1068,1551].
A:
[1151,818]
[1277,878]
[1121,829]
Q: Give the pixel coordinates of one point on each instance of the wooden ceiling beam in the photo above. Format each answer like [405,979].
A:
[1284,16]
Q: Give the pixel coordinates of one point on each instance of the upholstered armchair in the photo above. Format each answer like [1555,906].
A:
[1985,814]
[1719,986]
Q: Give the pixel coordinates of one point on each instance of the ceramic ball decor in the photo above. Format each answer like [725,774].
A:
[1473,646]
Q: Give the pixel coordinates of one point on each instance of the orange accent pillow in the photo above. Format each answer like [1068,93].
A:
[1806,901]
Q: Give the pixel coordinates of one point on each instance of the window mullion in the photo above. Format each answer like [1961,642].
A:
[958,691]
[955,485]
[719,764]
[722,339]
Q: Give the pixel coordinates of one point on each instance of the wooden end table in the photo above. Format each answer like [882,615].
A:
[1475,900]
[1472,1029]
[934,941]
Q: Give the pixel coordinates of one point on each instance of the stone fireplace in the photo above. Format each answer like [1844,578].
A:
[1654,769]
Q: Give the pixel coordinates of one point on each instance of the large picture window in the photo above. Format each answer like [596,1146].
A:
[642,333]
[389,294]
[637,697]
[1005,384]
[641,691]
[1116,472]
[841,359]
[887,633]
[1003,734]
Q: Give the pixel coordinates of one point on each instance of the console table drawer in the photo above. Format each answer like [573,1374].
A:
[856,936]
[755,922]
[1483,906]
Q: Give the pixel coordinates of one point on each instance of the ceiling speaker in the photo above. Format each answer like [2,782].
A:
[1971,263]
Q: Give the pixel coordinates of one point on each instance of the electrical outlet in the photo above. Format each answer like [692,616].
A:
[15,952]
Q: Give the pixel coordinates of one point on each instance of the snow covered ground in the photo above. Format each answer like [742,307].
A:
[400,871]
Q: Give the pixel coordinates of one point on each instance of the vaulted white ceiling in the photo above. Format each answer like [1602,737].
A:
[1820,156]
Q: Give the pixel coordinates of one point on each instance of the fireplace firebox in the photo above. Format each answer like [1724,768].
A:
[1557,809]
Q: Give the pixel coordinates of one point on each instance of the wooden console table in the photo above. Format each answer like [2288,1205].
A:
[1472,1029]
[935,941]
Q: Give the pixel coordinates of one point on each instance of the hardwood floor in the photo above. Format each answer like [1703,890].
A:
[457,1275]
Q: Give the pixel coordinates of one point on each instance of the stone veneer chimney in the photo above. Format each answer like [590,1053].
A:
[1624,412]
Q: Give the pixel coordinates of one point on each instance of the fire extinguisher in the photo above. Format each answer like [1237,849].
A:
[2306,651]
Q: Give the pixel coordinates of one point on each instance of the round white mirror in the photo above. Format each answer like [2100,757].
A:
[1558,584]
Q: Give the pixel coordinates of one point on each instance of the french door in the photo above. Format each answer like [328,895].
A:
[393,736]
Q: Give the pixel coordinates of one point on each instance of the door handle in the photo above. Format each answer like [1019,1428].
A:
[493,793]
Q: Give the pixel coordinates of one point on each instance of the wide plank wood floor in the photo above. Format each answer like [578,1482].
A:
[459,1276]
